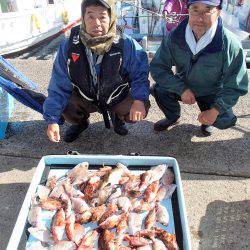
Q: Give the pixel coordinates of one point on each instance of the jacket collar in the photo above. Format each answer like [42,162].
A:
[178,36]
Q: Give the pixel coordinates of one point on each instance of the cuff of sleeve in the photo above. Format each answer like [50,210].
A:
[141,99]
[181,90]
[55,120]
[219,106]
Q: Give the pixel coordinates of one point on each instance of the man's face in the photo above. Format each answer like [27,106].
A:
[97,20]
[202,17]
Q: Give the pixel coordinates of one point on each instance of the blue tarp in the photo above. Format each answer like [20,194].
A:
[20,87]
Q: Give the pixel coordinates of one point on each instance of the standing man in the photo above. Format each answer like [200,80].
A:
[210,69]
[97,70]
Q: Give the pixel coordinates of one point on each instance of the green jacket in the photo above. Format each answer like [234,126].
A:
[219,69]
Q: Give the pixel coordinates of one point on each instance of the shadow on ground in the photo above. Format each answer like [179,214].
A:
[10,211]
[226,225]
[183,142]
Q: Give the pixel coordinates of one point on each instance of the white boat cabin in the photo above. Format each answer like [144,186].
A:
[20,5]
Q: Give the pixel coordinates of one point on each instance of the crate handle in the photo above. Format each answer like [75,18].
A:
[134,154]
[73,152]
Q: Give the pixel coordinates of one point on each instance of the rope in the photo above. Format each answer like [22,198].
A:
[170,18]
[139,7]
[152,12]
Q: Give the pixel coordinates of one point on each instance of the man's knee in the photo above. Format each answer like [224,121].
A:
[78,109]
[162,94]
[74,115]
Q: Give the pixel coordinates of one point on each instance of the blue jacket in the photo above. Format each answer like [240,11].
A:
[135,63]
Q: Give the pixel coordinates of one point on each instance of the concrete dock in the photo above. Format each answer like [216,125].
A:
[215,170]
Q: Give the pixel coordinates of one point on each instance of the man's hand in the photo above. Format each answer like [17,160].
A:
[137,111]
[53,132]
[208,117]
[188,97]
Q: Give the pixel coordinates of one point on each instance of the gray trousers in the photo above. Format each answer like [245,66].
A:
[79,109]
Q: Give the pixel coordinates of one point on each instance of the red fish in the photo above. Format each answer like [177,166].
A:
[111,222]
[97,213]
[51,183]
[121,229]
[78,173]
[84,218]
[112,208]
[137,241]
[145,177]
[151,191]
[70,230]
[50,204]
[107,241]
[79,233]
[58,225]
[88,240]
[150,219]
[168,239]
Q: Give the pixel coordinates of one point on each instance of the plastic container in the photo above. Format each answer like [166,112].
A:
[18,238]
[6,111]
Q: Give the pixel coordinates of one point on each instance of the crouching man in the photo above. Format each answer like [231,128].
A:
[97,70]
[210,69]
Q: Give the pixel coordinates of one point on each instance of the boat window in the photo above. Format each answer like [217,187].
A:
[51,1]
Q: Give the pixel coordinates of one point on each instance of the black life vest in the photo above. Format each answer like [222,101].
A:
[113,83]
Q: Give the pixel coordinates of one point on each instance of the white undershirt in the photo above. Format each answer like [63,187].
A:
[207,38]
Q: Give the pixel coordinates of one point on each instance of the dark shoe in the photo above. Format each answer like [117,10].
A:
[73,132]
[119,125]
[206,130]
[121,130]
[164,124]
